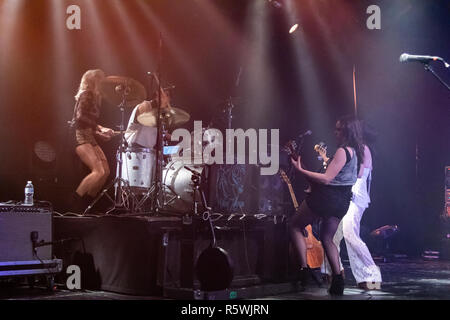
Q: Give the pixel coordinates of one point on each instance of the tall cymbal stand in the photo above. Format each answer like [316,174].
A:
[158,201]
[121,186]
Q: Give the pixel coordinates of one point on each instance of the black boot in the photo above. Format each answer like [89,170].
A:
[307,274]
[337,285]
[76,203]
[304,276]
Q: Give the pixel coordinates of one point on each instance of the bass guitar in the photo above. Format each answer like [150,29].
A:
[314,252]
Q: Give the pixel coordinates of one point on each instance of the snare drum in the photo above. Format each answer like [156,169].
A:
[138,167]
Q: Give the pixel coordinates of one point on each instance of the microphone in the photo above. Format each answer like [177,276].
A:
[405,57]
[119,88]
[307,133]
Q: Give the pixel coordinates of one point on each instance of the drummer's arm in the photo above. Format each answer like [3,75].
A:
[165,100]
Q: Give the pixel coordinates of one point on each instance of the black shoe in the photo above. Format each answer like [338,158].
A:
[307,274]
[304,275]
[337,285]
[316,276]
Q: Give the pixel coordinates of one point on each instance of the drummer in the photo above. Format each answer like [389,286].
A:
[144,136]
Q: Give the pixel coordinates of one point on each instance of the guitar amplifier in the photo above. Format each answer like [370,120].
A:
[18,225]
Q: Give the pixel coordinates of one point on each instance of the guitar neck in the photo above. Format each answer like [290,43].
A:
[294,155]
[293,197]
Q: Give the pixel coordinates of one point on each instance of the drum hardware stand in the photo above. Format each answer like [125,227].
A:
[121,185]
[153,188]
[196,180]
[228,110]
[157,188]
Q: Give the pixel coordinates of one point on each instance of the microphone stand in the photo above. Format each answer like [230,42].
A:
[158,176]
[159,199]
[429,68]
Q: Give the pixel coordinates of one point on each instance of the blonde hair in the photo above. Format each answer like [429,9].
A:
[91,80]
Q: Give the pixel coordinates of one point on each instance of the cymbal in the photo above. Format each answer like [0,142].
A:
[113,93]
[173,116]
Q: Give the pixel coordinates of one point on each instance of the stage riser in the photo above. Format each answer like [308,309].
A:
[128,255]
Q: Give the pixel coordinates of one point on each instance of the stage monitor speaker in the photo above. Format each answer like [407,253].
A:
[18,224]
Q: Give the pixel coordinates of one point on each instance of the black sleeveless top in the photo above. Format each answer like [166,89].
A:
[332,200]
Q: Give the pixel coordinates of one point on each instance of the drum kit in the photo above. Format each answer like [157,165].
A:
[144,174]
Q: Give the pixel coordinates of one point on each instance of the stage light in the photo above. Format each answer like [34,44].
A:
[45,151]
[293,28]
[44,162]
[173,48]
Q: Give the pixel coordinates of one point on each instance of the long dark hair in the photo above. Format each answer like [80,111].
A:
[369,136]
[352,135]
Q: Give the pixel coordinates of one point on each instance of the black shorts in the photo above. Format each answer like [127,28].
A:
[329,201]
[83,136]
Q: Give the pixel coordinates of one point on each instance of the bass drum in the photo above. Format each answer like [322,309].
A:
[177,181]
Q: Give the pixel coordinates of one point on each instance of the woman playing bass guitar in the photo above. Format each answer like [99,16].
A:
[330,198]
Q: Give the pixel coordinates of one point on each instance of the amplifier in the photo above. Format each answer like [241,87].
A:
[17,224]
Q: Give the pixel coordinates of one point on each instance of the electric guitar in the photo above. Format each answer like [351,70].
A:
[291,149]
[314,252]
[321,149]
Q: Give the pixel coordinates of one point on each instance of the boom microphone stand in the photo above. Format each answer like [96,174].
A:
[429,68]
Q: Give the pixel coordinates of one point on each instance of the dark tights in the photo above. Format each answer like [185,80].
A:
[329,226]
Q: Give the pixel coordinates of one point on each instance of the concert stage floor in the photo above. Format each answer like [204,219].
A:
[402,280]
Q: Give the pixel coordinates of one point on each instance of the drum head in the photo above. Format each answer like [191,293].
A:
[214,269]
[179,187]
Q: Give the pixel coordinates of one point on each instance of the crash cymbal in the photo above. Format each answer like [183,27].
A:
[173,116]
[114,87]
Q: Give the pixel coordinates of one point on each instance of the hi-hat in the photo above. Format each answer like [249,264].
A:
[114,88]
[173,117]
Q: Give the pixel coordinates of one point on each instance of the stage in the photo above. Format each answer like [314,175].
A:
[154,257]
[407,279]
[157,255]
[163,150]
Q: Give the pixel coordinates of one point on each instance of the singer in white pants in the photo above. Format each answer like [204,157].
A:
[366,273]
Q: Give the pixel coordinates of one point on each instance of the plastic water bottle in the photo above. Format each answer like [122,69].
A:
[29,193]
